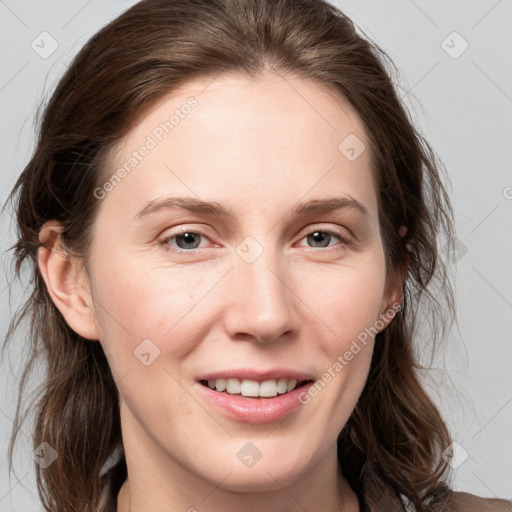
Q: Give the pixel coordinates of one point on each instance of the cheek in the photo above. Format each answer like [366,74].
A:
[347,300]
[136,313]
[349,308]
[151,317]
[349,312]
[144,302]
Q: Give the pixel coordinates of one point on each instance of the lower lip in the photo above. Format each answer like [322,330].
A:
[255,410]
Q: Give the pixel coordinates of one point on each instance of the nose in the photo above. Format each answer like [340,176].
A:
[261,303]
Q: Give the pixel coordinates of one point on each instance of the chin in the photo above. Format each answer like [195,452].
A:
[253,480]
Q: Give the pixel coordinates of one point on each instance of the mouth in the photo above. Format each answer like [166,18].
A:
[252,401]
[249,388]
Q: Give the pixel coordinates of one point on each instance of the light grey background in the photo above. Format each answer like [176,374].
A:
[464,107]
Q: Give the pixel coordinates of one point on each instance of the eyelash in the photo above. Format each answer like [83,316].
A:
[167,247]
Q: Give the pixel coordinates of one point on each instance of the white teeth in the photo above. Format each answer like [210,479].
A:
[282,386]
[233,386]
[291,385]
[268,388]
[252,388]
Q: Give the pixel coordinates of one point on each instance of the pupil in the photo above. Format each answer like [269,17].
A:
[319,237]
[188,238]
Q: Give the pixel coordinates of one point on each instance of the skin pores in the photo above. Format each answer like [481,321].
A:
[258,148]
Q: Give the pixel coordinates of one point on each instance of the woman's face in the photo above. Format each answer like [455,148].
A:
[252,294]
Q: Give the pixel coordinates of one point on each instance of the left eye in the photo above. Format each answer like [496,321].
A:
[319,236]
[189,240]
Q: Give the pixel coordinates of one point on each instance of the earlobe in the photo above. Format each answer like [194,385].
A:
[66,282]
[391,308]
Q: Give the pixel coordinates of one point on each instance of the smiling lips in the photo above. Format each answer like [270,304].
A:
[255,396]
[255,409]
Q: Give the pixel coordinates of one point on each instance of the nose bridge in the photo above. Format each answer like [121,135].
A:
[261,304]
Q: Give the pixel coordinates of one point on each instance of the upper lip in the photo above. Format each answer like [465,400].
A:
[257,375]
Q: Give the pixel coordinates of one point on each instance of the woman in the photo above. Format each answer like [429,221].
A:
[204,353]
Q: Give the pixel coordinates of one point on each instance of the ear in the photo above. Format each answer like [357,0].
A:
[393,294]
[66,281]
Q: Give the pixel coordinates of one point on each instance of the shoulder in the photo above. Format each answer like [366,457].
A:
[463,501]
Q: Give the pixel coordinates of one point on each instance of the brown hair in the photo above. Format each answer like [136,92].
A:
[126,68]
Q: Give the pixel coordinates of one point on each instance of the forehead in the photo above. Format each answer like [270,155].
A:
[231,138]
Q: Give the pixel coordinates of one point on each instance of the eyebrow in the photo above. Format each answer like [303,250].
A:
[314,206]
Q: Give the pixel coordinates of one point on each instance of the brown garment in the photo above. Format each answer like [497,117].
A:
[377,496]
